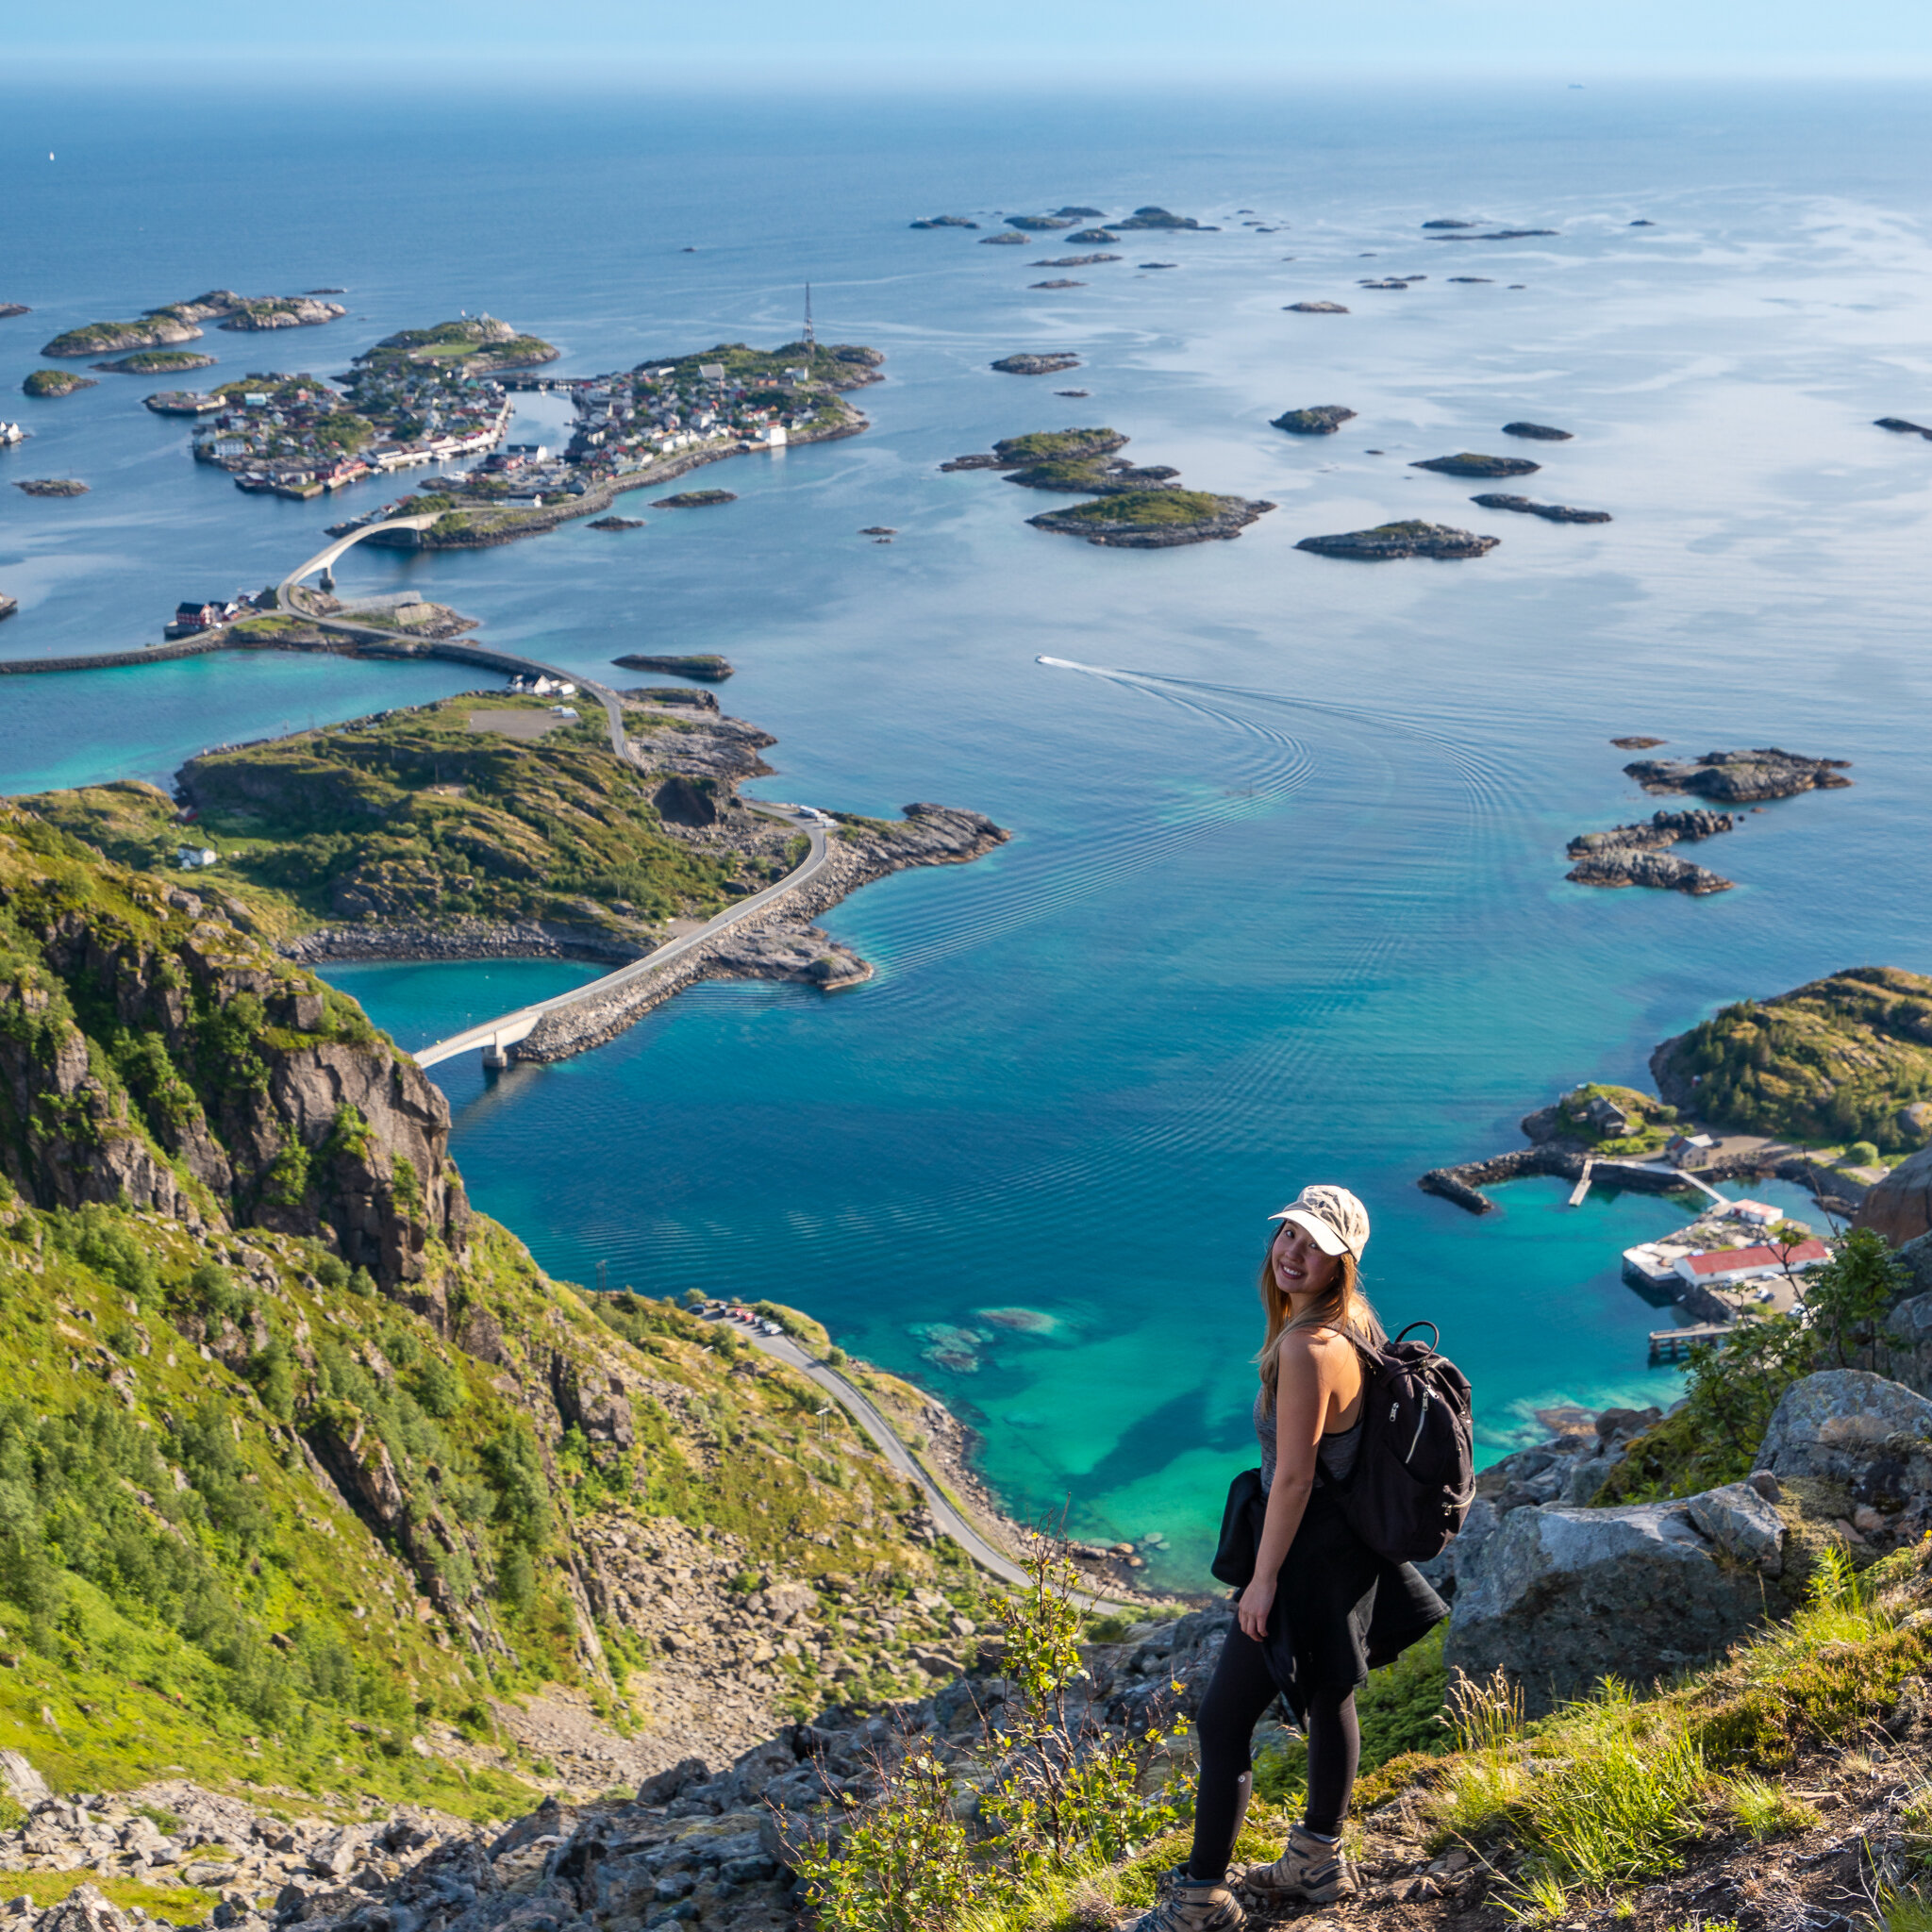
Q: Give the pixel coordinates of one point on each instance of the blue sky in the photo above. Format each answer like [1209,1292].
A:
[949,43]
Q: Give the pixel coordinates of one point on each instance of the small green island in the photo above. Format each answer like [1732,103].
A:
[694,499]
[55,382]
[159,362]
[51,486]
[180,322]
[1135,508]
[1156,519]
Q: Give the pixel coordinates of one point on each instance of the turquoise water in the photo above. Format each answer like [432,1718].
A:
[1284,897]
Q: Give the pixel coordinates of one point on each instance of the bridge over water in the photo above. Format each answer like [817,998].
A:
[494,1035]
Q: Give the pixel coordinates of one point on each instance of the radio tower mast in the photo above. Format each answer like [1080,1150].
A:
[811,341]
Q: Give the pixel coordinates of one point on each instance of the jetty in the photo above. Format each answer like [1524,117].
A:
[1674,1344]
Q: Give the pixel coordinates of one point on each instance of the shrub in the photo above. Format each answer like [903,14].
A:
[1056,1802]
[215,1293]
[441,1388]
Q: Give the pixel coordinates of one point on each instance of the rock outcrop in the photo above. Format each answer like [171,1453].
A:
[260,1099]
[1854,1427]
[1413,537]
[1623,865]
[1539,432]
[1740,777]
[1036,365]
[1660,829]
[1323,419]
[1550,512]
[1560,1597]
[1139,518]
[1315,309]
[1160,218]
[1469,463]
[1900,1207]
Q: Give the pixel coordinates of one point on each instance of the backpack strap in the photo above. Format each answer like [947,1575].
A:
[1434,1343]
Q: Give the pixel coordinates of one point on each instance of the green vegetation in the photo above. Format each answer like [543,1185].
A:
[1056,1803]
[1058,446]
[1651,1123]
[837,365]
[181,1586]
[413,815]
[1847,1058]
[164,361]
[477,345]
[55,382]
[99,337]
[1150,509]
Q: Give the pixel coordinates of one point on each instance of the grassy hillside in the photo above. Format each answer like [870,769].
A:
[412,814]
[304,1468]
[1845,1058]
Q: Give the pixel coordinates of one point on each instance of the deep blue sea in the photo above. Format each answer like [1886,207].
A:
[1284,900]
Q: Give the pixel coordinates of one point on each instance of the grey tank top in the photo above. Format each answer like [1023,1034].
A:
[1335,1455]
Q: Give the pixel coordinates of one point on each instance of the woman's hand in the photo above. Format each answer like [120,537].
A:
[1257,1601]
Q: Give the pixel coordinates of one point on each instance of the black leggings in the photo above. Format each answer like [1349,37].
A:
[1237,1694]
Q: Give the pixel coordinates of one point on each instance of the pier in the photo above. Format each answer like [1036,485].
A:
[1674,1344]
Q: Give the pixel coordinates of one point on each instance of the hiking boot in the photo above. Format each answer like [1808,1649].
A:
[1309,1869]
[1194,1905]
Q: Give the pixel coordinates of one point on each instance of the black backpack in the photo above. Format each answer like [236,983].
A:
[1414,1475]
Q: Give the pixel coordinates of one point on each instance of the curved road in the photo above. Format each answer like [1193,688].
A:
[956,1523]
[506,1028]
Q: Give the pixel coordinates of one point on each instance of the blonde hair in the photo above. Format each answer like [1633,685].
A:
[1344,1307]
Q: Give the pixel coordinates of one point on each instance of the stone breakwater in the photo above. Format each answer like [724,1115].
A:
[1463,1183]
[777,942]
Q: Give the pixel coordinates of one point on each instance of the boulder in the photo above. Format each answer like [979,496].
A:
[1904,1353]
[1900,1207]
[1740,1521]
[21,1781]
[1561,1597]
[1849,1426]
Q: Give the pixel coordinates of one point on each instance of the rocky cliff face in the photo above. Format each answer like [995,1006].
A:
[153,1049]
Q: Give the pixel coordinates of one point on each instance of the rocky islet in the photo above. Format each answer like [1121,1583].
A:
[1323,419]
[55,382]
[1052,364]
[1411,537]
[1550,512]
[1469,463]
[179,322]
[1741,777]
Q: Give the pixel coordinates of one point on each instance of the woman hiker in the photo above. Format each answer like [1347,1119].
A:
[1321,1607]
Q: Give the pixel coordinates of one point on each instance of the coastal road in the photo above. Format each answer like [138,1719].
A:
[508,1028]
[945,1512]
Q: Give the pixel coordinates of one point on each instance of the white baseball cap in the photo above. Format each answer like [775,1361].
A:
[1333,1219]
